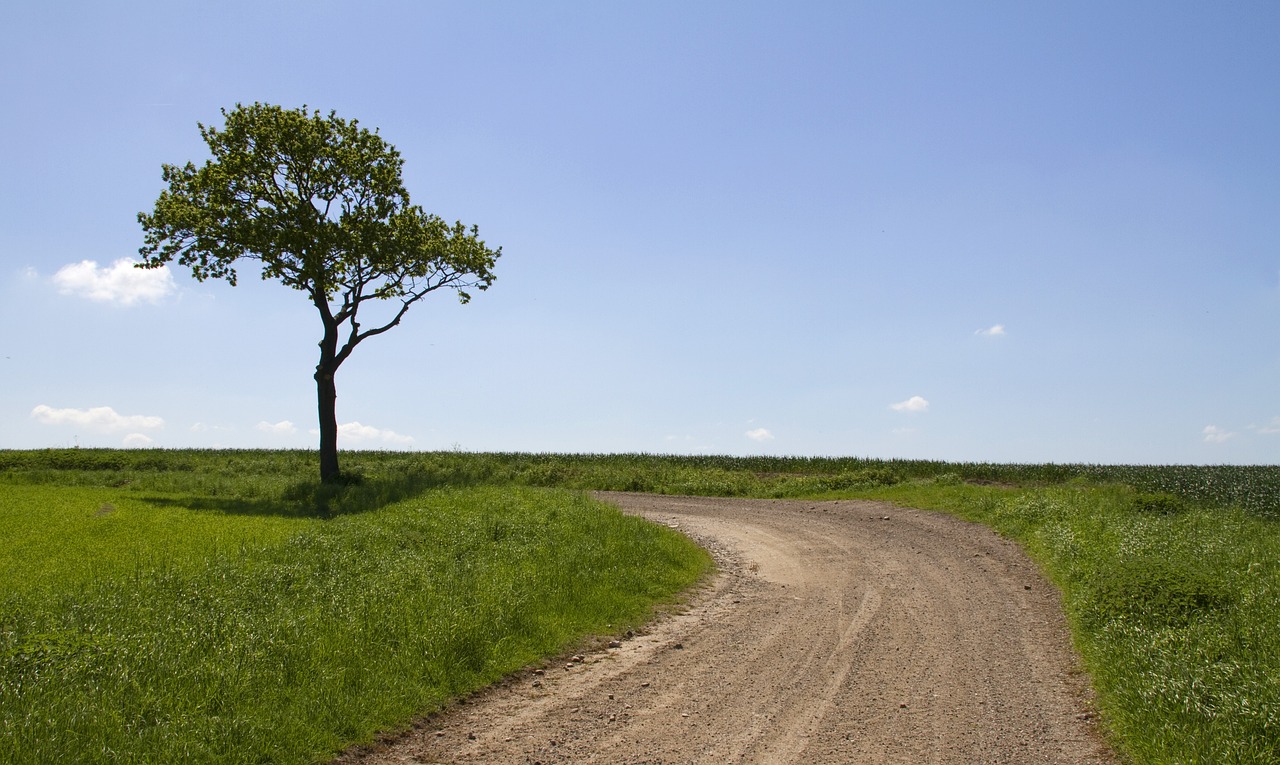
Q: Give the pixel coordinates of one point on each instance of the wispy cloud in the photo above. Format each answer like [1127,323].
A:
[100,418]
[996,330]
[1271,428]
[913,404]
[759,434]
[1216,435]
[284,427]
[355,432]
[119,283]
[204,427]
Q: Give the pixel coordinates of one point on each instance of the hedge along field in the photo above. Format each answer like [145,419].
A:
[266,619]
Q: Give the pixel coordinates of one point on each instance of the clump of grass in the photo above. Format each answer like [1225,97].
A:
[1155,591]
[1159,503]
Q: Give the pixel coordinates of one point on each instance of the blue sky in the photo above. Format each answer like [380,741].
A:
[1016,232]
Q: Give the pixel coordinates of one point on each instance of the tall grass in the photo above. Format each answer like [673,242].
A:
[1175,608]
[245,626]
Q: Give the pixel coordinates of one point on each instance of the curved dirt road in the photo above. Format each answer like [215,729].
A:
[835,632]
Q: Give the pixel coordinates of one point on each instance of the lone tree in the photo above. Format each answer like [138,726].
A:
[319,202]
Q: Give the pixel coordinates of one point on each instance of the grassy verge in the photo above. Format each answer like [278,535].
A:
[1175,608]
[257,618]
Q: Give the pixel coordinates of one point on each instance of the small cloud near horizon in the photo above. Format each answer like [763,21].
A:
[759,434]
[1270,429]
[284,427]
[100,418]
[1216,435]
[204,427]
[913,404]
[119,283]
[996,330]
[136,441]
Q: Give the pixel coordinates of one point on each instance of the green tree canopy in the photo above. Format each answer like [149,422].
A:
[319,203]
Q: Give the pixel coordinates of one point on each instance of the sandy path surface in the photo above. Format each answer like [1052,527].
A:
[835,632]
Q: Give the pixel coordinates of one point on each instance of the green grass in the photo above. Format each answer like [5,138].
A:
[1175,608]
[224,473]
[64,538]
[265,592]
[261,619]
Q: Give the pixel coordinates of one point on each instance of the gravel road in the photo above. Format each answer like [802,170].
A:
[834,632]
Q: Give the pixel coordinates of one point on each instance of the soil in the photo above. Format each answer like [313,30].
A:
[833,632]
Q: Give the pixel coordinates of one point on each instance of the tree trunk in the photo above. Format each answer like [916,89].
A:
[327,406]
[327,391]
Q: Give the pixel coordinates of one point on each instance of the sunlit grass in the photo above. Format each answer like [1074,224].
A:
[1176,609]
[246,627]
[1171,578]
[60,538]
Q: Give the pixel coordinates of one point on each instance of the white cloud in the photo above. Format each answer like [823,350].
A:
[1216,435]
[993,331]
[101,418]
[283,427]
[119,283]
[913,404]
[204,427]
[355,431]
[759,434]
[136,441]
[1271,428]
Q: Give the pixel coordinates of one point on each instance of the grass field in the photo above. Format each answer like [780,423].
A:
[231,623]
[276,600]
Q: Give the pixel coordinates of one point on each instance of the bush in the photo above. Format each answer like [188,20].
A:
[1159,504]
[1156,592]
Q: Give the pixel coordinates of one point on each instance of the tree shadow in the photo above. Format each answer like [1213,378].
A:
[352,495]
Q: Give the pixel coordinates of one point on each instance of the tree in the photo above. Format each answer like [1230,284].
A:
[319,203]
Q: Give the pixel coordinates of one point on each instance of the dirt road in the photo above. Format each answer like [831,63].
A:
[835,632]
